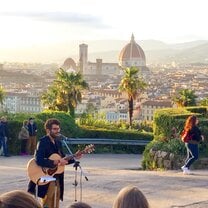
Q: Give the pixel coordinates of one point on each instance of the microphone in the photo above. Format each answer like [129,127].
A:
[64,140]
[62,137]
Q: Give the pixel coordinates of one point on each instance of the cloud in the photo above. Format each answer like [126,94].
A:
[62,17]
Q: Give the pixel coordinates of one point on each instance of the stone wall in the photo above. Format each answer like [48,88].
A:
[201,163]
[170,161]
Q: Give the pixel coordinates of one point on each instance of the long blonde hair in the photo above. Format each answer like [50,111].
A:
[130,197]
[18,199]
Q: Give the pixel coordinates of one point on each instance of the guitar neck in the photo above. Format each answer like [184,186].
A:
[88,149]
[69,157]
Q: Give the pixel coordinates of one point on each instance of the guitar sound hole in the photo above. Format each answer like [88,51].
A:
[52,171]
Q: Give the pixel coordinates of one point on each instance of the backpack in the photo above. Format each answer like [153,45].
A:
[186,136]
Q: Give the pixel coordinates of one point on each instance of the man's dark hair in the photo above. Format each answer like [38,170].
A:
[50,122]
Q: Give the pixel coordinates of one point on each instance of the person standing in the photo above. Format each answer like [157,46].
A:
[24,136]
[32,141]
[194,133]
[52,192]
[4,135]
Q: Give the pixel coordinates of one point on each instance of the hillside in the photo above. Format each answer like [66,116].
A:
[159,52]
[156,51]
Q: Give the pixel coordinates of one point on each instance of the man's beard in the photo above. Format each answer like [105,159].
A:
[53,135]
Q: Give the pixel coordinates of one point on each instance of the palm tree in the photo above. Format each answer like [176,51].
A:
[65,92]
[204,102]
[185,97]
[49,98]
[132,85]
[2,95]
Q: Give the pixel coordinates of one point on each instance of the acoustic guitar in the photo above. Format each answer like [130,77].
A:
[36,172]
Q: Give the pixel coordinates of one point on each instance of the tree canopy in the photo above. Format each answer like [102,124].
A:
[2,95]
[65,92]
[204,102]
[185,97]
[132,85]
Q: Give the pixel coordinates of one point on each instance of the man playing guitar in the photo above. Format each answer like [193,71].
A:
[51,192]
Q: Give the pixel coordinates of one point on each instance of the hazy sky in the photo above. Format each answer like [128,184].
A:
[33,22]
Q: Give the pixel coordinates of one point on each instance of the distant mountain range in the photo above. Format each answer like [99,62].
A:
[155,51]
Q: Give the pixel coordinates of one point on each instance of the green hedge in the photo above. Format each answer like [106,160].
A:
[91,132]
[70,129]
[68,126]
[198,109]
[166,120]
[167,127]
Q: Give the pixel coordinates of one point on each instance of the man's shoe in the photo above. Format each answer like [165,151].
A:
[6,155]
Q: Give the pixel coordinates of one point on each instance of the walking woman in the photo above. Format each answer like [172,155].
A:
[194,133]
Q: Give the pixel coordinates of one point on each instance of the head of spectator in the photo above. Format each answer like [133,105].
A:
[191,121]
[18,199]
[25,123]
[31,120]
[3,119]
[130,197]
[80,205]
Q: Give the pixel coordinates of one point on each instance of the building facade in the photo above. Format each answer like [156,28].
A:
[22,102]
[148,108]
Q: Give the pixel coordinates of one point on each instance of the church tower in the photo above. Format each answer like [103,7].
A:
[83,58]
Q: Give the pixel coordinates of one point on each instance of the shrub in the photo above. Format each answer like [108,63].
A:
[70,129]
[15,123]
[197,109]
[168,124]
[167,119]
[99,122]
[92,132]
[174,146]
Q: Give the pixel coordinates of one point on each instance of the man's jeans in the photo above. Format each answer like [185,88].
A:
[3,143]
[192,154]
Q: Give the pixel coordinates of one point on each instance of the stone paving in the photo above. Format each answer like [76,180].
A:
[108,173]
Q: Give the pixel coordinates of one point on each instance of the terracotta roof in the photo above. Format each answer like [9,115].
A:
[69,63]
[131,51]
[157,103]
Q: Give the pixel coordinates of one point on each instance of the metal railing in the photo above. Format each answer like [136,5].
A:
[140,142]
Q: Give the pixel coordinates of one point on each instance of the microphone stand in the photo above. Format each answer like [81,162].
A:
[76,165]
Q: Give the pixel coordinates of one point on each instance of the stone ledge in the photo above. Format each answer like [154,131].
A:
[170,161]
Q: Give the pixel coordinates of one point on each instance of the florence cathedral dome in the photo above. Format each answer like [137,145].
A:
[132,55]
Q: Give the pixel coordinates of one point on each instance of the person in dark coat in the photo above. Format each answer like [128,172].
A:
[32,141]
[48,145]
[4,135]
